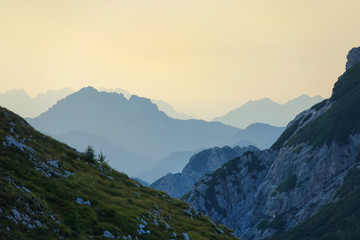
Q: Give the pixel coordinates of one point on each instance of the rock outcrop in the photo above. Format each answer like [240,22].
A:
[200,164]
[261,193]
[353,57]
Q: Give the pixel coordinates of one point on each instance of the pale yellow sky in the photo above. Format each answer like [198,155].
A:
[190,53]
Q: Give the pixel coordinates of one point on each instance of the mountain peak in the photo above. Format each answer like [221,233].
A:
[88,89]
[262,100]
[20,92]
[353,57]
[267,111]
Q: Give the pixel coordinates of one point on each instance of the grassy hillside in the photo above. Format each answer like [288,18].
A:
[49,191]
[338,122]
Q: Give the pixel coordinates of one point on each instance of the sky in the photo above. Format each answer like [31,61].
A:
[198,55]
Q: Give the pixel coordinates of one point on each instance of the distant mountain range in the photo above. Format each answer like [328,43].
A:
[135,125]
[26,106]
[29,107]
[262,111]
[134,133]
[267,111]
[124,92]
[170,111]
[260,135]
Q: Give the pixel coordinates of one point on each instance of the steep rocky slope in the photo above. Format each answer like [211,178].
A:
[204,162]
[337,220]
[263,193]
[50,191]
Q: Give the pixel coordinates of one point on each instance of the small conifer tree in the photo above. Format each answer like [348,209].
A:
[89,154]
[101,157]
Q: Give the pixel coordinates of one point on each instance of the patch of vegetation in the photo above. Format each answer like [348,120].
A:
[319,105]
[89,154]
[338,220]
[310,158]
[227,169]
[278,223]
[307,117]
[288,184]
[348,82]
[301,182]
[185,196]
[286,135]
[298,149]
[254,164]
[211,197]
[263,225]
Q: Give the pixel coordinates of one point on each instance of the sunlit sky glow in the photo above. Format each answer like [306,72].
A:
[194,54]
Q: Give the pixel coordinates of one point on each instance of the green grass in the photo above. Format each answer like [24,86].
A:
[286,135]
[117,202]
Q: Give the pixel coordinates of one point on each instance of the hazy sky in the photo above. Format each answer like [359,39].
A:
[190,53]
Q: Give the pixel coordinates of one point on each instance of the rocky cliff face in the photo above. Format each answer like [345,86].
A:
[266,192]
[202,163]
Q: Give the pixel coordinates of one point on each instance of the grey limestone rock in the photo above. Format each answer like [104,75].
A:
[286,186]
[200,164]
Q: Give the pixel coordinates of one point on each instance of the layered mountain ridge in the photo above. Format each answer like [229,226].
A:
[135,125]
[133,132]
[18,100]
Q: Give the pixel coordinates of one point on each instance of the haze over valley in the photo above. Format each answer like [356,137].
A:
[180,120]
